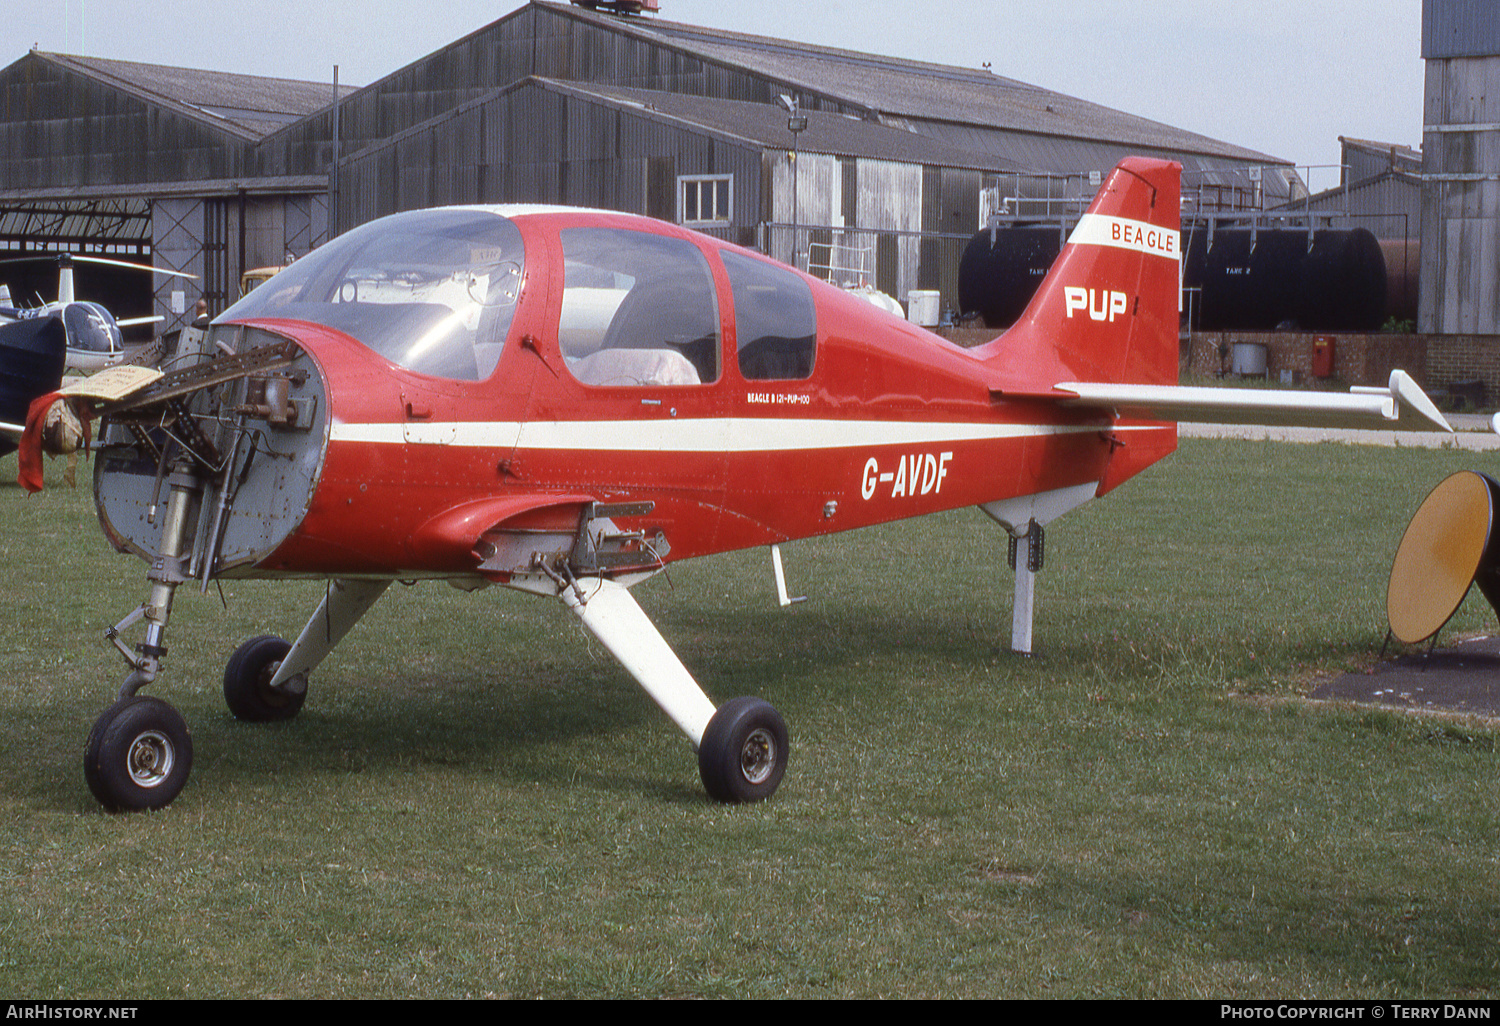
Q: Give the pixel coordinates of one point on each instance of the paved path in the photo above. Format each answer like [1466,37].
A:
[1472,432]
[1463,678]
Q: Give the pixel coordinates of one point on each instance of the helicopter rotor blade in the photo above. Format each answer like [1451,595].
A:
[63,258]
[138,267]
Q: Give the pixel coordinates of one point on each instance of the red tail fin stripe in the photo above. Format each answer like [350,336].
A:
[1125,233]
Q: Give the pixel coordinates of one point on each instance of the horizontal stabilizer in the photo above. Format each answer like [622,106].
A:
[1401,406]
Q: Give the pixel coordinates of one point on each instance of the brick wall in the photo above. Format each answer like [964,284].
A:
[1454,362]
[1357,359]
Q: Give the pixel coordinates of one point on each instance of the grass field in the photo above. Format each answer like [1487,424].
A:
[476,801]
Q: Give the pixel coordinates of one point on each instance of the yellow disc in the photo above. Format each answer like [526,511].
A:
[1438,556]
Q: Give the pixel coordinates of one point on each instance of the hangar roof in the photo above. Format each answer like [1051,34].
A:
[766,126]
[249,106]
[892,87]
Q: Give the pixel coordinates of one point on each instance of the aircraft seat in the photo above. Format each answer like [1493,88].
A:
[635,367]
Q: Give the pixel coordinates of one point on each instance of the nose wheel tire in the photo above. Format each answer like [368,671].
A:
[247,682]
[744,751]
[138,755]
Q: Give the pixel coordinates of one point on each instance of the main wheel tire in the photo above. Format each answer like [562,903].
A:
[247,682]
[138,755]
[744,751]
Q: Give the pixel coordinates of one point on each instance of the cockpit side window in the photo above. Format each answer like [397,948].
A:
[433,291]
[775,322]
[637,310]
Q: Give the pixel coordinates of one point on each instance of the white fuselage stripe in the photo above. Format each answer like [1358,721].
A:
[713,434]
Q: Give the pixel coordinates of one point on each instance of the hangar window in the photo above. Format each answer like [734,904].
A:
[705,200]
[776,326]
[637,309]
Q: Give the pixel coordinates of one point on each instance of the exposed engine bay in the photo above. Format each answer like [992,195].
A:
[239,427]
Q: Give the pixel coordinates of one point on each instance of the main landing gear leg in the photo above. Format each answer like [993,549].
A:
[742,746]
[343,605]
[266,679]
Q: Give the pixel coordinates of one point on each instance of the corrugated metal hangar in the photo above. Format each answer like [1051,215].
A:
[1461,168]
[105,156]
[896,164]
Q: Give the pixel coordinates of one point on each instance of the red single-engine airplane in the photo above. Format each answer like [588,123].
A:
[565,401]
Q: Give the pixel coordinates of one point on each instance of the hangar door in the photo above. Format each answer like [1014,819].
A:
[119,229]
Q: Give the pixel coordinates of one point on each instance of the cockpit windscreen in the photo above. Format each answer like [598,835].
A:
[433,291]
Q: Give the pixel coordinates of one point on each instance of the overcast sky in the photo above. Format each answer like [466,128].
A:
[1285,77]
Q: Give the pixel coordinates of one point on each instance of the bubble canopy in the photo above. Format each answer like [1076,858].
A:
[91,328]
[433,291]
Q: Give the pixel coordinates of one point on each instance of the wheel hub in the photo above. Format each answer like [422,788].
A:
[150,758]
[758,755]
[276,697]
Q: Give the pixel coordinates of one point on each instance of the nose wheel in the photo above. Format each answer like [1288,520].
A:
[138,755]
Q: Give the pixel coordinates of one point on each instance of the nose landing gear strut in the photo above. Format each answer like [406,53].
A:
[139,753]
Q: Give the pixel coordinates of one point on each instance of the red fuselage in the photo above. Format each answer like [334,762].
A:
[892,422]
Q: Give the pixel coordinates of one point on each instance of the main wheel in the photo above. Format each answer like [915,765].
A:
[247,682]
[744,751]
[138,755]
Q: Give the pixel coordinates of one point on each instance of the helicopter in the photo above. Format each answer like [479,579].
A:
[40,344]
